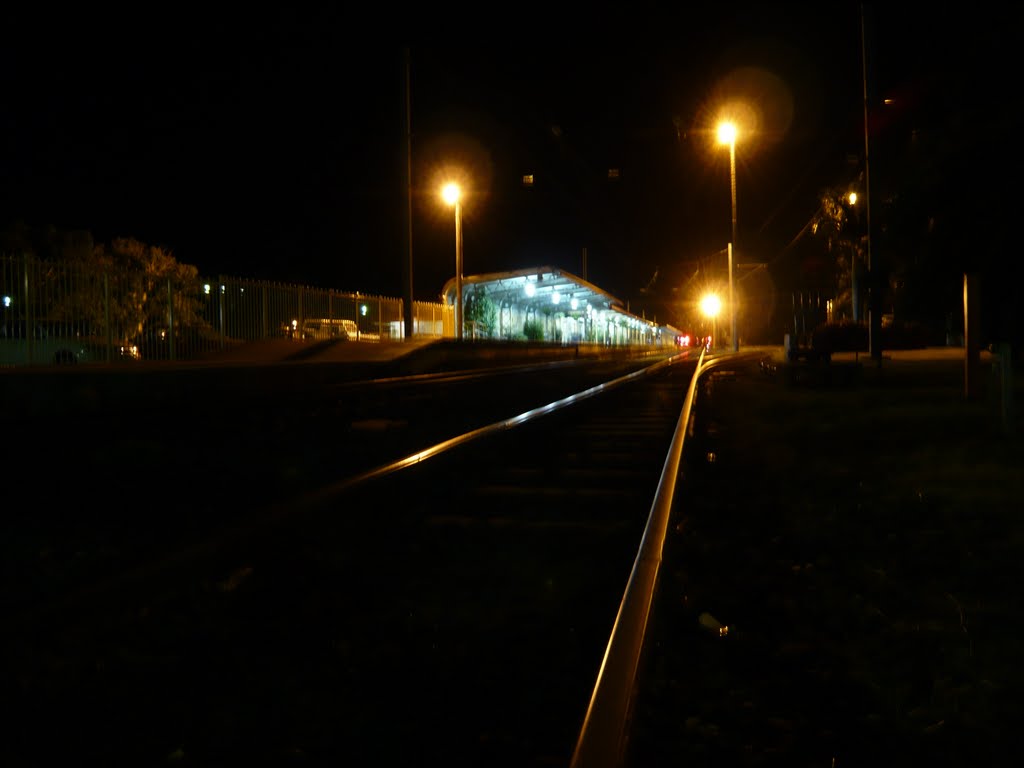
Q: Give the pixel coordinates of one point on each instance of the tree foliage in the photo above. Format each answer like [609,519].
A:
[155,289]
[839,225]
[126,288]
[533,330]
[481,314]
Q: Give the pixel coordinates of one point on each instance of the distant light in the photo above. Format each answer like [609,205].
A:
[530,289]
[574,303]
[528,180]
[890,102]
[206,288]
[362,310]
[556,297]
[223,288]
[613,173]
[451,193]
[853,198]
[711,305]
[7,301]
[727,133]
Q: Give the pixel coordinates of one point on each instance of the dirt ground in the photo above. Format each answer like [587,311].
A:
[860,533]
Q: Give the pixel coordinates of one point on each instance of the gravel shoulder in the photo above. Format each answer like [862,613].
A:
[860,535]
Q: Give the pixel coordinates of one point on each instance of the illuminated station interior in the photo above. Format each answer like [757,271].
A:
[567,308]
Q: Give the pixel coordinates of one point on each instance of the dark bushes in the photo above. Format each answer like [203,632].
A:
[853,337]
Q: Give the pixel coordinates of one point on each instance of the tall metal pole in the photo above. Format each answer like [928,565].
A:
[732,247]
[874,317]
[408,309]
[732,306]
[458,270]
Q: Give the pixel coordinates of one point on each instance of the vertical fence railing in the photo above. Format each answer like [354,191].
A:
[181,318]
[174,318]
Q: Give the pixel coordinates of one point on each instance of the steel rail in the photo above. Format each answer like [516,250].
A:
[276,513]
[602,738]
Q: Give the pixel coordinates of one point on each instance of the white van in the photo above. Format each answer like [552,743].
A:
[319,329]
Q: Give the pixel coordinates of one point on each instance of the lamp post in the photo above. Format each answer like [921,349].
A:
[854,295]
[727,135]
[452,195]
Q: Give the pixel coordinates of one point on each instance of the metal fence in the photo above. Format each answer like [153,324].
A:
[63,312]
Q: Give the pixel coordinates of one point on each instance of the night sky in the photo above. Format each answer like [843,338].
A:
[273,146]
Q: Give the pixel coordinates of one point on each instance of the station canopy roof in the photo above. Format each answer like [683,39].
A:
[534,288]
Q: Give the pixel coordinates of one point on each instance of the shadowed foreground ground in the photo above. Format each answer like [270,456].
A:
[862,539]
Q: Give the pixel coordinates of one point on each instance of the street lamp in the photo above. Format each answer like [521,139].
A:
[727,133]
[452,196]
[710,306]
[854,293]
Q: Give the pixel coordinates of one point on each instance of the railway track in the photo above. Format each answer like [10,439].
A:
[453,606]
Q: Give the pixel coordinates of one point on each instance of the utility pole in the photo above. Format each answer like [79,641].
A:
[408,313]
[874,305]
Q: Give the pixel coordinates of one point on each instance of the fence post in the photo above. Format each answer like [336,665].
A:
[220,304]
[265,313]
[29,318]
[106,315]
[170,319]
[972,335]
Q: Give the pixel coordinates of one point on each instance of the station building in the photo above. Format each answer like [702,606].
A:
[552,305]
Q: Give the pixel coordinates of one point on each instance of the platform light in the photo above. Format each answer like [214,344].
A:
[711,306]
[728,132]
[452,195]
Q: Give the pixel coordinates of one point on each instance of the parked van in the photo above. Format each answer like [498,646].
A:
[330,328]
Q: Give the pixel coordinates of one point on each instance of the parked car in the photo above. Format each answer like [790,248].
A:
[55,345]
[18,352]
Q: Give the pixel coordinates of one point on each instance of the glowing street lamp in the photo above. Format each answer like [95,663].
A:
[727,133]
[854,293]
[451,194]
[710,306]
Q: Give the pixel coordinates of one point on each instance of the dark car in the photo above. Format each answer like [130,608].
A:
[59,346]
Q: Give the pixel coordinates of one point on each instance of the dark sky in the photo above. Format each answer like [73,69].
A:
[273,146]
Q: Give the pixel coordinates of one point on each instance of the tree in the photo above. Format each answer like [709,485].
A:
[124,290]
[837,222]
[533,330]
[481,314]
